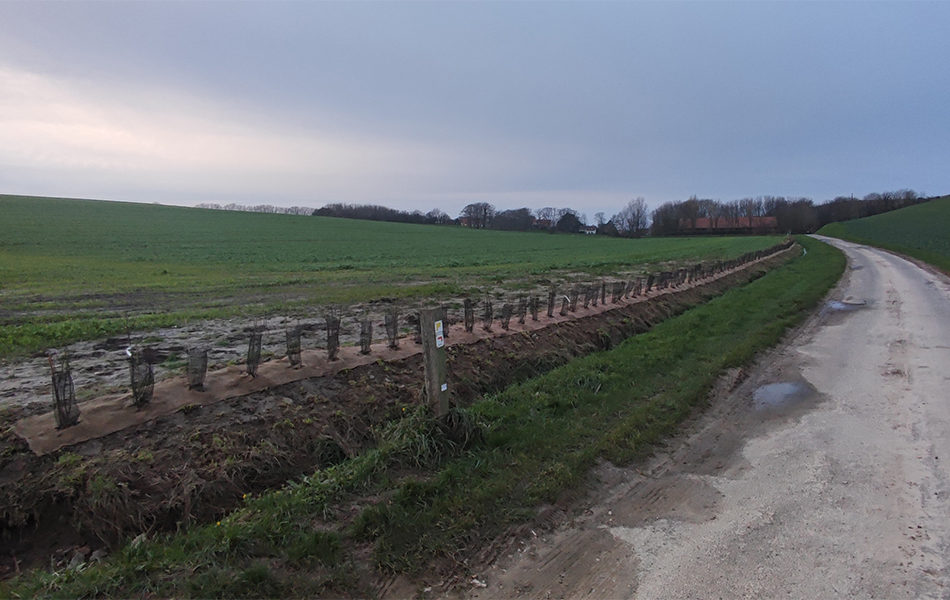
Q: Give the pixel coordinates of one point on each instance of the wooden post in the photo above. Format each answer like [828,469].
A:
[433,353]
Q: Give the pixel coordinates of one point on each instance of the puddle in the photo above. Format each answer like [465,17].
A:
[845,305]
[782,395]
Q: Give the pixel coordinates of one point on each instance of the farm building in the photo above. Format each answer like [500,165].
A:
[728,225]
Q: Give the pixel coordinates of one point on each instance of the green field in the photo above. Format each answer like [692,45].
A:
[921,231]
[81,269]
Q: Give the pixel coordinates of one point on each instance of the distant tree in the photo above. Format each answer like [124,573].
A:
[569,223]
[479,214]
[600,218]
[513,220]
[633,219]
[548,214]
[666,219]
[608,228]
[438,217]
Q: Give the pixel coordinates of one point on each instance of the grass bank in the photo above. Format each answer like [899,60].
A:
[921,231]
[431,490]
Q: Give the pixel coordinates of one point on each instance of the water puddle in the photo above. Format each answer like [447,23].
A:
[781,395]
[846,305]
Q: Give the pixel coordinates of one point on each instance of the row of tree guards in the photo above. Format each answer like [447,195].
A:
[431,328]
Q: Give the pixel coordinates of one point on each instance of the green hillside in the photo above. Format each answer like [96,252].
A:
[921,231]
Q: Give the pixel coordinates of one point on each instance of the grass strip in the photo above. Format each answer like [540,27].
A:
[441,490]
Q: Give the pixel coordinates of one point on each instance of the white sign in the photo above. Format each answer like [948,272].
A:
[445,386]
[439,338]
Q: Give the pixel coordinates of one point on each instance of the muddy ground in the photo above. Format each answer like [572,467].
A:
[195,465]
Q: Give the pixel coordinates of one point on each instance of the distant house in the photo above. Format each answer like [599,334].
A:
[589,230]
[728,225]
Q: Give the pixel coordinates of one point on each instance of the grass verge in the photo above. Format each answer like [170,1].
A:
[435,489]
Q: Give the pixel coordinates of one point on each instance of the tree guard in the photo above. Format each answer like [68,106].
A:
[469,315]
[445,320]
[64,394]
[254,351]
[197,368]
[392,327]
[333,335]
[293,346]
[488,315]
[142,376]
[418,336]
[506,311]
[366,335]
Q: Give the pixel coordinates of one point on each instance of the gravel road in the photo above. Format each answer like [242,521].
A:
[824,474]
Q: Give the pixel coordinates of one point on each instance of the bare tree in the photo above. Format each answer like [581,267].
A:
[549,214]
[632,219]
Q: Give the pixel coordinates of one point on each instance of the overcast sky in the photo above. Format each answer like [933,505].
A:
[423,105]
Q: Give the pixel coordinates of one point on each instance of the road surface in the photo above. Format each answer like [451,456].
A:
[824,474]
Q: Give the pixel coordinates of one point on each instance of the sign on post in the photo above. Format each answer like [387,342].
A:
[433,352]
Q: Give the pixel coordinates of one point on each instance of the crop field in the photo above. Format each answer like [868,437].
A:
[921,231]
[81,269]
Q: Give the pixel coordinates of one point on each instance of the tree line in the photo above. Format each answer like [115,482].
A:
[795,215]
[786,214]
[258,208]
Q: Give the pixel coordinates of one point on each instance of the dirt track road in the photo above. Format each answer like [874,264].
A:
[833,484]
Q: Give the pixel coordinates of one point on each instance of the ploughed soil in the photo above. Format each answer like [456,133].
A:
[196,464]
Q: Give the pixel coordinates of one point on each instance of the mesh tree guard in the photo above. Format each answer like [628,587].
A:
[522,308]
[586,296]
[506,310]
[575,294]
[417,337]
[197,368]
[293,346]
[593,291]
[603,292]
[64,394]
[469,315]
[535,305]
[445,320]
[333,335]
[366,335]
[488,316]
[564,302]
[254,351]
[142,376]
[617,291]
[552,293]
[392,327]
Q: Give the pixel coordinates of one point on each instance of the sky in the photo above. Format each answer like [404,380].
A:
[419,105]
